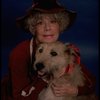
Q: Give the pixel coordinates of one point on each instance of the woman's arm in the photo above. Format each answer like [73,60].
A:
[18,66]
[22,87]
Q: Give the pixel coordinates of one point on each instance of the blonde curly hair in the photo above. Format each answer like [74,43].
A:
[61,18]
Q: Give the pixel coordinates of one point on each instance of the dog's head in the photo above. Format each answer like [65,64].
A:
[50,58]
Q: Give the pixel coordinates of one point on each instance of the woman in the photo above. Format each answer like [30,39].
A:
[45,20]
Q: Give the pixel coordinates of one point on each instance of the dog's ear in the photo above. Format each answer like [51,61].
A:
[67,50]
[72,50]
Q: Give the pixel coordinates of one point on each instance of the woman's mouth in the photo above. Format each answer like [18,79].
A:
[48,36]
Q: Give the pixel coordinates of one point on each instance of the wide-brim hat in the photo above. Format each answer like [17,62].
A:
[45,6]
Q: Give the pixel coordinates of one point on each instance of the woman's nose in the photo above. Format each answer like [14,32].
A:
[47,26]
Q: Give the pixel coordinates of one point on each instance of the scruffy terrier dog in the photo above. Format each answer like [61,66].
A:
[50,60]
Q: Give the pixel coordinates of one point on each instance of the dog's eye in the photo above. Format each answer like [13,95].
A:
[53,53]
[40,50]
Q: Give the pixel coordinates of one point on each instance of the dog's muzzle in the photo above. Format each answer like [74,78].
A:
[39,66]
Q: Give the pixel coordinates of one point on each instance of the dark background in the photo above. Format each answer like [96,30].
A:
[84,33]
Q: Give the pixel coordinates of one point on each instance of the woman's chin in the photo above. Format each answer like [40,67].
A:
[49,40]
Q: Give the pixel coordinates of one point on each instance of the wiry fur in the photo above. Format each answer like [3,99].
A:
[54,57]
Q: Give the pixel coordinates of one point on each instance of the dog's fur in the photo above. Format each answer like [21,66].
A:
[50,59]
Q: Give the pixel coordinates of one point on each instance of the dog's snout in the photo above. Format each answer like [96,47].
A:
[39,66]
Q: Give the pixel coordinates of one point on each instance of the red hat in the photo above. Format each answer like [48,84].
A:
[45,6]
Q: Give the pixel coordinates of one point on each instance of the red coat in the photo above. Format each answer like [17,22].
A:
[20,81]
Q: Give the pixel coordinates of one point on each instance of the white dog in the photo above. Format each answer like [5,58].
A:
[50,60]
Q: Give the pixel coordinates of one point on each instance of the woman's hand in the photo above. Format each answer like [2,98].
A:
[65,89]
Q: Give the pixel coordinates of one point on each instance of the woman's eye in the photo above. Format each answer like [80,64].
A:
[39,23]
[53,53]
[53,21]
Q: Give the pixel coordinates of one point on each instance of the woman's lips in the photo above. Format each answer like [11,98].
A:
[48,36]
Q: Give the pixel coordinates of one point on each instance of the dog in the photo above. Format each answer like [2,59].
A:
[50,60]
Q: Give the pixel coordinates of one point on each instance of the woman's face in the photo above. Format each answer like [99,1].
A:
[47,30]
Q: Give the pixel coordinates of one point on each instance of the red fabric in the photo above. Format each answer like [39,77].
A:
[18,64]
[38,83]
[18,68]
[69,69]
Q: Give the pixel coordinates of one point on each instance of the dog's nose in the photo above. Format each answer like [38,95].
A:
[39,66]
